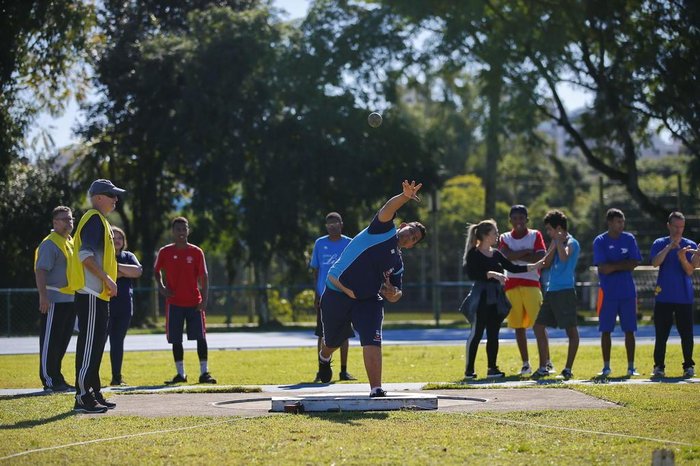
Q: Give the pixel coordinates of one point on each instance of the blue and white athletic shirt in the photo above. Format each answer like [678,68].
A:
[326,253]
[371,256]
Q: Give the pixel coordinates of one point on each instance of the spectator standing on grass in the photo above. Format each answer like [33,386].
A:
[616,254]
[186,292]
[677,258]
[559,305]
[56,306]
[121,306]
[522,245]
[487,306]
[326,252]
[92,274]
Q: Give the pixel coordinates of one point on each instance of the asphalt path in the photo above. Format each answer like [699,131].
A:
[304,339]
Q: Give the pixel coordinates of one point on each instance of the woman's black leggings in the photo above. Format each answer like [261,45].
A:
[486,318]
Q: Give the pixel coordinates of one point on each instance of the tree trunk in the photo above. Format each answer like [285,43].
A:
[493,130]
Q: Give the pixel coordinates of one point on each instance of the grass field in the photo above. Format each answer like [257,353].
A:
[668,412]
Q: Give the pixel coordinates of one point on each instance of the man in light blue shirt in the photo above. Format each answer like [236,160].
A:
[559,304]
[327,250]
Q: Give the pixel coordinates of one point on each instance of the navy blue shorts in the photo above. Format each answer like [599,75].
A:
[609,309]
[175,318]
[338,311]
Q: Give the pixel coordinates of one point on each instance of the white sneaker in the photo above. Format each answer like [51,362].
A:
[550,368]
[605,372]
[689,372]
[526,369]
[632,372]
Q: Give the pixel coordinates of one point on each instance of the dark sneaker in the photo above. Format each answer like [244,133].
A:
[206,378]
[88,407]
[689,372]
[325,372]
[550,368]
[470,376]
[539,373]
[526,369]
[566,374]
[378,394]
[62,388]
[102,401]
[118,382]
[177,379]
[494,373]
[318,378]
[345,375]
[658,373]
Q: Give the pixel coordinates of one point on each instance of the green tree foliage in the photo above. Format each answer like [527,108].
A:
[633,56]
[29,194]
[250,127]
[43,44]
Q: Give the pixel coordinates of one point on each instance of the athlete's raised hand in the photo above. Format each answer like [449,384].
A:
[410,190]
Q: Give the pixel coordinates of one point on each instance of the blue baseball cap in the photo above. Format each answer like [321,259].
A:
[103,186]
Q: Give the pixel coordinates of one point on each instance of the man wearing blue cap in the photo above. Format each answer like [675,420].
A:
[92,273]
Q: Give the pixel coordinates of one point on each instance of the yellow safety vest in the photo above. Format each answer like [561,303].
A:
[76,273]
[65,245]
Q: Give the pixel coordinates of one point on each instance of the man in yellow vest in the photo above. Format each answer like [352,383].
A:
[55,299]
[92,274]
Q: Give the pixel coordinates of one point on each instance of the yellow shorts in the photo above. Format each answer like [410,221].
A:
[526,302]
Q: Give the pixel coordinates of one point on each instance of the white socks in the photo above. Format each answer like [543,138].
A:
[180,365]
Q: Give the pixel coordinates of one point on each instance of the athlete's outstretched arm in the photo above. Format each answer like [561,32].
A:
[410,191]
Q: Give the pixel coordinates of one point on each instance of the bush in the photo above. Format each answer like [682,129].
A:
[303,304]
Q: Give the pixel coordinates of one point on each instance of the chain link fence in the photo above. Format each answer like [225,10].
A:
[238,306]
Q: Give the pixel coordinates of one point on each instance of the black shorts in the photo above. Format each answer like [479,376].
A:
[175,318]
[558,309]
[338,312]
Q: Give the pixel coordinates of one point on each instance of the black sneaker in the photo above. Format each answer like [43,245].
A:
[206,378]
[62,388]
[88,407]
[539,373]
[102,401]
[378,394]
[345,375]
[494,373]
[325,372]
[177,379]
[566,374]
[470,376]
[118,382]
[318,378]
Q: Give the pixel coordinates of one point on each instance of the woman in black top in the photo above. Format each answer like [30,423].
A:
[484,264]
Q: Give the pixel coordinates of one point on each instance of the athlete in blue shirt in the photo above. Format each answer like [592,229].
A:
[369,270]
[677,258]
[559,304]
[327,250]
[616,254]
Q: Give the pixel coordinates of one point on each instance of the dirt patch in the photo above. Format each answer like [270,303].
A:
[258,404]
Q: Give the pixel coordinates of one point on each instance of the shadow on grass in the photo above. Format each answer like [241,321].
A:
[350,418]
[37,422]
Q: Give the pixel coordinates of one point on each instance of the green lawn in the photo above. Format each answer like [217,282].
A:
[668,412]
[283,366]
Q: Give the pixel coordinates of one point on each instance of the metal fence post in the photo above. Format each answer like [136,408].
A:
[9,313]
